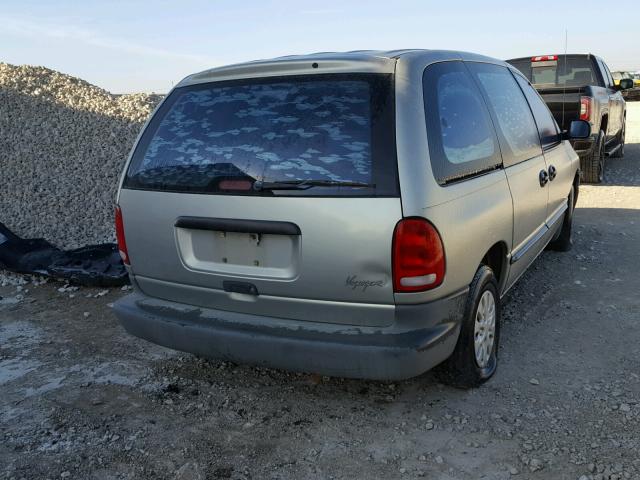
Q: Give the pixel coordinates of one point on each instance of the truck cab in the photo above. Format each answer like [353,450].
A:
[581,87]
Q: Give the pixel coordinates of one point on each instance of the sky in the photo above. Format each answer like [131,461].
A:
[149,46]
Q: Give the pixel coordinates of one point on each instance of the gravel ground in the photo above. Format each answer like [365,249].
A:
[81,399]
[63,143]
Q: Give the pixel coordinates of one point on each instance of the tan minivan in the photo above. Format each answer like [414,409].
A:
[351,214]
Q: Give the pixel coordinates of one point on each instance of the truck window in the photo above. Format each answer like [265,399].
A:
[544,74]
[569,70]
[610,82]
[461,137]
[547,126]
[577,72]
[517,130]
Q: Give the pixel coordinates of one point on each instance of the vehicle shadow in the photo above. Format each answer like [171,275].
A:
[624,171]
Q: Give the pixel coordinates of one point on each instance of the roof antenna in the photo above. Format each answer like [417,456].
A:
[564,82]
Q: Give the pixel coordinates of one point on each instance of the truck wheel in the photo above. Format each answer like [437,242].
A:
[475,358]
[620,152]
[563,242]
[592,166]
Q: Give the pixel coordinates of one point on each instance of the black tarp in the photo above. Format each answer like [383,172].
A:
[93,265]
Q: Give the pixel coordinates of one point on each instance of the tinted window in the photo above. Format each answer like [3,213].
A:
[569,70]
[544,74]
[225,137]
[547,126]
[461,137]
[517,130]
[574,72]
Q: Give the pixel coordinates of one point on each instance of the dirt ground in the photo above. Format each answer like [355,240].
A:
[81,399]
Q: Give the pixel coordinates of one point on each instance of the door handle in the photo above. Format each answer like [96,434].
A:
[552,172]
[543,176]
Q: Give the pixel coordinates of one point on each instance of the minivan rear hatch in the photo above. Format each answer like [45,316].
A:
[273,196]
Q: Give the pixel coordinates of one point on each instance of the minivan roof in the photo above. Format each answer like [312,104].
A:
[364,61]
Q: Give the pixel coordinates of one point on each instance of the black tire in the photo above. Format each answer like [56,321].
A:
[620,152]
[563,242]
[461,368]
[592,165]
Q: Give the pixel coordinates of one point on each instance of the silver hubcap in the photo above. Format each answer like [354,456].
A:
[484,331]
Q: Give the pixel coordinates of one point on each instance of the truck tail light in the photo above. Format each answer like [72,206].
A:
[586,107]
[544,58]
[418,256]
[122,243]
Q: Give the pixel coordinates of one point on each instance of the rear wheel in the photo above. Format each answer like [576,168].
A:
[563,242]
[593,164]
[475,358]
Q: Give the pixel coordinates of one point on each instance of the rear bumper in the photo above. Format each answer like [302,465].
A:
[421,337]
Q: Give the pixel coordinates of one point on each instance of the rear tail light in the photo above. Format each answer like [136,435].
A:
[586,107]
[418,256]
[122,243]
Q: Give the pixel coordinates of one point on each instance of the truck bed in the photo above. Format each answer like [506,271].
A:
[563,103]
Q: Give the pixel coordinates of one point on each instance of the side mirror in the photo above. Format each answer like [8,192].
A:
[577,130]
[626,84]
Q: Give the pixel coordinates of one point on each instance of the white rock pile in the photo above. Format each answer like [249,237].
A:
[63,143]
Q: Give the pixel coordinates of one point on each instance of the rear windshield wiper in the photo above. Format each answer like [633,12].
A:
[305,184]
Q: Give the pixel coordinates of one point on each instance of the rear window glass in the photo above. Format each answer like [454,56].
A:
[577,72]
[331,130]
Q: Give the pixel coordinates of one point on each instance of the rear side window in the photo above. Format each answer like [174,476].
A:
[461,137]
[605,71]
[517,130]
[547,126]
[238,137]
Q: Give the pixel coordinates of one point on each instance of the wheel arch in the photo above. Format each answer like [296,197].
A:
[604,123]
[496,259]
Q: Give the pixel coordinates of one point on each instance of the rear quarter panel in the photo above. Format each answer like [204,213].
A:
[601,108]
[479,215]
[471,215]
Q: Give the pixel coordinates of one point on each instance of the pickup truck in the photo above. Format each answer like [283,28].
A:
[580,87]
